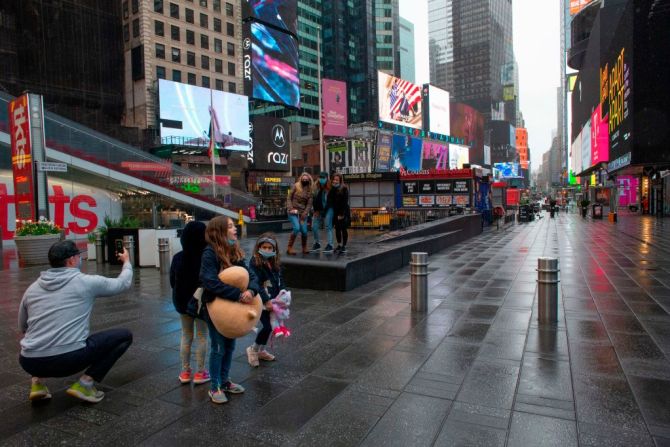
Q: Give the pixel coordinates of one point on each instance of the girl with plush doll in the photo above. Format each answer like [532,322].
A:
[266,266]
[222,252]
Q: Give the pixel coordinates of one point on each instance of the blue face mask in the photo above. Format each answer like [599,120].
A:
[323,181]
[267,254]
[336,185]
[232,241]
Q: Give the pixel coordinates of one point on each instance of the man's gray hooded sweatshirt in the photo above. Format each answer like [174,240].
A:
[55,310]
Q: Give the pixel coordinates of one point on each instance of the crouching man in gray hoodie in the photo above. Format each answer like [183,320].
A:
[54,317]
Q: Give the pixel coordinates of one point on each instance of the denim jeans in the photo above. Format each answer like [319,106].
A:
[102,350]
[187,332]
[264,334]
[328,224]
[220,356]
[298,227]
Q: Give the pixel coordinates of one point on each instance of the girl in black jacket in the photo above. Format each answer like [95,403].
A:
[184,272]
[266,266]
[338,197]
[222,252]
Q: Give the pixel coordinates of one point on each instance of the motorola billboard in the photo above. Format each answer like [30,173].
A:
[271,144]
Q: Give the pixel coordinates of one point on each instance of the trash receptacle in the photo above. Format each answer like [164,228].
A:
[597,211]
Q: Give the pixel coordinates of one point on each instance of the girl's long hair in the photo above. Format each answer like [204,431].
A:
[298,185]
[217,236]
[342,185]
[258,260]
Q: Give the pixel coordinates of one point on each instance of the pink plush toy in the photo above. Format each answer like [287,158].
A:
[280,313]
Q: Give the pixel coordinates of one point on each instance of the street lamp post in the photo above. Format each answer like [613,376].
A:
[318,75]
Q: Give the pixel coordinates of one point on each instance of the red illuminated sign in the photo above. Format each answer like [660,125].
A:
[435,173]
[22,160]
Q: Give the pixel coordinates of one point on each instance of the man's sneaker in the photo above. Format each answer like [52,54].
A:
[316,246]
[201,377]
[217,396]
[233,388]
[185,376]
[328,249]
[343,249]
[39,391]
[252,357]
[266,356]
[86,393]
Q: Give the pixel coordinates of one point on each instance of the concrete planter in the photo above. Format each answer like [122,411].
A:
[34,250]
[90,251]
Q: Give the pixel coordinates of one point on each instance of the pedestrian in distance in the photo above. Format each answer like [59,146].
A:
[222,251]
[184,279]
[265,264]
[54,317]
[299,204]
[339,197]
[322,213]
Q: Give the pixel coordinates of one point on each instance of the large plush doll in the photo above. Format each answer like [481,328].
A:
[231,318]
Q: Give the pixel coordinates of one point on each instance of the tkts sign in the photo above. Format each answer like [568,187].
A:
[22,160]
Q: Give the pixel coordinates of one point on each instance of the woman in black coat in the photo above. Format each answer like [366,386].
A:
[338,198]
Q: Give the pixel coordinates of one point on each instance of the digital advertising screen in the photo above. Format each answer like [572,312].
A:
[189,114]
[406,153]
[383,153]
[271,65]
[468,123]
[458,156]
[576,155]
[270,144]
[280,13]
[507,170]
[435,155]
[438,110]
[600,137]
[399,101]
[334,100]
[586,146]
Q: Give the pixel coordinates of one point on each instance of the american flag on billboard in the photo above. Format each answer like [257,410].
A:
[404,96]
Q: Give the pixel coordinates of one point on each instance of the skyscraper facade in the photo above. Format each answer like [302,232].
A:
[470,42]
[406,50]
[387,36]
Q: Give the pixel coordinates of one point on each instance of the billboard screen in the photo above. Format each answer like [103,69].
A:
[576,155]
[458,156]
[406,153]
[188,114]
[586,146]
[435,155]
[383,153]
[271,65]
[438,110]
[468,124]
[22,159]
[334,96]
[507,170]
[271,144]
[577,5]
[280,13]
[600,137]
[522,146]
[399,101]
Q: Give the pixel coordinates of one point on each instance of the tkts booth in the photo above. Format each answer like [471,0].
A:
[438,189]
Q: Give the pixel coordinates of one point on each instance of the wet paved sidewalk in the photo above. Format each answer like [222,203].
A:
[360,368]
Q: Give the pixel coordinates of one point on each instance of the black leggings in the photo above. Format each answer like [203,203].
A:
[102,350]
[264,334]
[341,233]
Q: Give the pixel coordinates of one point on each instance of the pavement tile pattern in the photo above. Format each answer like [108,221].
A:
[362,369]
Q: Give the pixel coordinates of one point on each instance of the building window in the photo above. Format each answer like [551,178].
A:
[176,75]
[126,33]
[231,48]
[125,10]
[160,72]
[219,84]
[190,37]
[230,29]
[203,3]
[230,10]
[191,78]
[174,32]
[204,62]
[137,62]
[160,51]
[204,42]
[232,88]
[136,6]
[159,28]
[216,4]
[217,25]
[158,6]
[204,21]
[190,58]
[176,55]
[231,69]
[136,28]
[174,10]
[205,81]
[218,46]
[218,67]
[189,15]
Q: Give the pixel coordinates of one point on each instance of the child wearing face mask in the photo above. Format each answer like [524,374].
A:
[265,265]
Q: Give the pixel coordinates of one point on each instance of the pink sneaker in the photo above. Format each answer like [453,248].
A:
[185,376]
[201,377]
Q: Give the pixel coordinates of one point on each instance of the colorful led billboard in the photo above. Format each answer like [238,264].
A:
[271,65]
[522,146]
[406,153]
[506,170]
[437,119]
[458,156]
[399,101]
[334,97]
[190,115]
[383,153]
[586,146]
[468,124]
[600,137]
[435,155]
[577,5]
[279,13]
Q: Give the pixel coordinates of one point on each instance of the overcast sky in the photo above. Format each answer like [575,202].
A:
[536,46]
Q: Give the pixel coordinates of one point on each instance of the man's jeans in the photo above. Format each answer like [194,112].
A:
[328,224]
